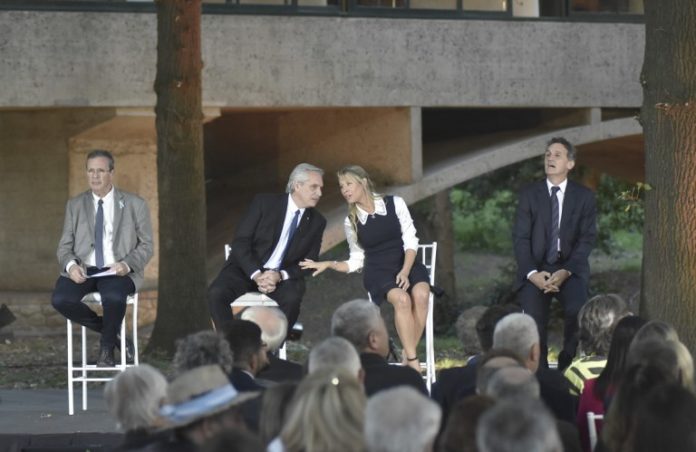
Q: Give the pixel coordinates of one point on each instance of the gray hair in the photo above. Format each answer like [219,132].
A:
[516,332]
[300,175]
[134,397]
[401,420]
[273,324]
[518,424]
[513,381]
[355,320]
[565,143]
[201,349]
[334,353]
[102,153]
[596,321]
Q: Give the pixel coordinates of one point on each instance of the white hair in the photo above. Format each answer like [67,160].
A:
[134,397]
[300,174]
[512,381]
[401,419]
[273,324]
[355,320]
[333,353]
[518,424]
[516,332]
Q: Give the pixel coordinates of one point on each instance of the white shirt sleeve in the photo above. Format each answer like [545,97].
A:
[408,230]
[357,255]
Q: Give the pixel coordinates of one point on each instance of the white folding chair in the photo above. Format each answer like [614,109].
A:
[428,256]
[592,427]
[256,299]
[107,373]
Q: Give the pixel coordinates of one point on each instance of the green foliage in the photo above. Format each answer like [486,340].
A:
[620,215]
[483,223]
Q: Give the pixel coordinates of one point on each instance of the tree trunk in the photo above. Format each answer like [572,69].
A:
[181,307]
[669,122]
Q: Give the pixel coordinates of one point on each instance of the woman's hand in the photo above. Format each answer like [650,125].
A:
[318,266]
[402,279]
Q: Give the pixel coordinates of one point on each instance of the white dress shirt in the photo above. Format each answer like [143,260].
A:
[108,233]
[408,231]
[560,194]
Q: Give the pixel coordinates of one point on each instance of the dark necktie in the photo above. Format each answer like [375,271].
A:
[552,253]
[99,236]
[291,232]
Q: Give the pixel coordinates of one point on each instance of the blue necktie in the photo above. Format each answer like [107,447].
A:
[291,232]
[552,253]
[99,236]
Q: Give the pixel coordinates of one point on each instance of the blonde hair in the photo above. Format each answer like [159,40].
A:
[359,175]
[134,397]
[326,413]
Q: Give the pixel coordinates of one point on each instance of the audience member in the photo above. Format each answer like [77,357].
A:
[133,398]
[200,403]
[518,425]
[597,392]
[455,380]
[401,420]
[336,352]
[249,353]
[326,414]
[201,349]
[233,440]
[360,322]
[664,421]
[274,407]
[490,363]
[459,434]
[656,329]
[518,333]
[596,321]
[274,328]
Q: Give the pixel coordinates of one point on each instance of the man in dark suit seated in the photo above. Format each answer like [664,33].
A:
[274,327]
[554,233]
[249,354]
[106,230]
[360,322]
[276,233]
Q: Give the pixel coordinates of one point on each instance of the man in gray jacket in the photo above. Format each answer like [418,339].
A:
[105,245]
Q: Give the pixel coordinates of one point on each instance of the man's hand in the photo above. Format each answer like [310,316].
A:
[120,268]
[556,280]
[540,279]
[267,281]
[77,274]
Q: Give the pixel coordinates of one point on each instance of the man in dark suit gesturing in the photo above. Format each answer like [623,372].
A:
[105,229]
[554,233]
[275,234]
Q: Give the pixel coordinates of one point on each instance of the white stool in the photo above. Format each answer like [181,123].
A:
[83,369]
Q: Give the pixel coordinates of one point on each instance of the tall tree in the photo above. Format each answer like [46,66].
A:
[669,122]
[181,306]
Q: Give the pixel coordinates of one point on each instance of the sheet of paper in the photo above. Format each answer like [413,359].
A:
[109,272]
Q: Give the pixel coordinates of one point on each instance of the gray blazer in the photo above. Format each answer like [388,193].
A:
[132,232]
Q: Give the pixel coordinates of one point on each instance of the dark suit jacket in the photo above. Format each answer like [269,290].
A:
[533,226]
[379,374]
[281,370]
[451,382]
[259,232]
[243,382]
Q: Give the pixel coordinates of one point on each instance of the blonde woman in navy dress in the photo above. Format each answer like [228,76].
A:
[383,245]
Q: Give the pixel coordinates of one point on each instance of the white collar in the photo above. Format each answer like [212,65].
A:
[107,198]
[380,209]
[292,207]
[562,185]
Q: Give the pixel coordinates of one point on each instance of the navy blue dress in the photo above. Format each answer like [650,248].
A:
[380,239]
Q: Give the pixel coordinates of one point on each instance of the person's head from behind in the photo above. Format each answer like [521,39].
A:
[518,424]
[665,421]
[621,340]
[459,435]
[518,332]
[305,184]
[490,363]
[596,322]
[273,324]
[201,402]
[248,349]
[485,325]
[656,330]
[672,356]
[401,420]
[201,349]
[334,353]
[274,407]
[513,381]
[360,322]
[326,413]
[134,397]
